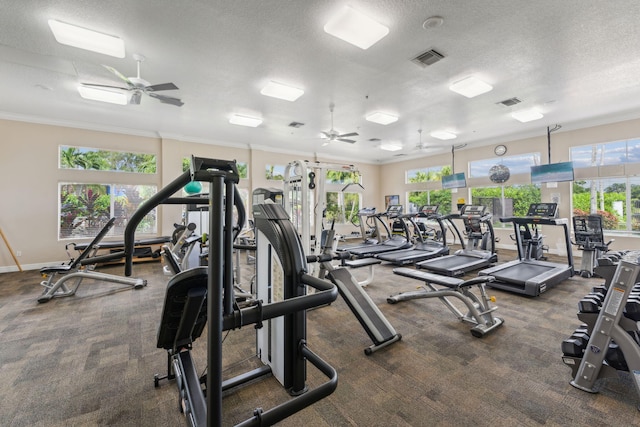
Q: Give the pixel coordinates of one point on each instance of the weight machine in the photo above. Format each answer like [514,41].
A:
[206,294]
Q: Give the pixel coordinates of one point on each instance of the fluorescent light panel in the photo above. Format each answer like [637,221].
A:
[237,119]
[381,118]
[282,91]
[355,28]
[87,39]
[440,134]
[527,115]
[103,95]
[391,146]
[470,87]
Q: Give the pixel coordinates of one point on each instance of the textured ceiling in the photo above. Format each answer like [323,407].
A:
[577,61]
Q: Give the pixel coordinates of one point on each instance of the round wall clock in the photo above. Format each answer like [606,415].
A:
[500,150]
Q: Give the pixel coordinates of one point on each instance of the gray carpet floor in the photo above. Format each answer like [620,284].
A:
[89,360]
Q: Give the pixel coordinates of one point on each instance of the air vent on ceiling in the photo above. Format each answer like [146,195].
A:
[509,102]
[427,58]
[296,124]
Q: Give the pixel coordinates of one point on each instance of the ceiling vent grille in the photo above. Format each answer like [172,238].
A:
[427,58]
[509,102]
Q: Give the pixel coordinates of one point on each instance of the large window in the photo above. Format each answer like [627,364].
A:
[442,198]
[520,163]
[512,200]
[609,153]
[429,174]
[84,158]
[342,207]
[616,199]
[86,208]
[274,172]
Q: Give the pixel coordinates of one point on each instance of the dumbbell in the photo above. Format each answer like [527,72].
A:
[600,289]
[615,357]
[589,304]
[576,344]
[632,309]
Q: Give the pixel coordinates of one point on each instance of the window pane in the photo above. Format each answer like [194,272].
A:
[517,164]
[342,207]
[274,172]
[515,202]
[606,197]
[430,174]
[441,198]
[118,161]
[342,177]
[86,208]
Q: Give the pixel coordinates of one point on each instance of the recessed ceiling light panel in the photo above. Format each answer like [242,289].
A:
[355,28]
[470,87]
[238,119]
[282,91]
[527,115]
[103,95]
[381,118]
[87,39]
[440,134]
[391,146]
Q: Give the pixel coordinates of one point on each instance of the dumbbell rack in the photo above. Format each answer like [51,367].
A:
[606,326]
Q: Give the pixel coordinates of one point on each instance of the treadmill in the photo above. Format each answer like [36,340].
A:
[392,243]
[434,245]
[480,251]
[371,236]
[529,276]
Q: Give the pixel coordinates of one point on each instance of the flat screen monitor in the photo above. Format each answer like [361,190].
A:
[457,180]
[554,172]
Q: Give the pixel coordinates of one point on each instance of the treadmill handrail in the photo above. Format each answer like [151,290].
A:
[535,220]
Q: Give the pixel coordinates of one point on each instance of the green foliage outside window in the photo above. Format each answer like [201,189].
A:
[104,160]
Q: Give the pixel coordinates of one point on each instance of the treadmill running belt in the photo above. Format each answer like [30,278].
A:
[520,273]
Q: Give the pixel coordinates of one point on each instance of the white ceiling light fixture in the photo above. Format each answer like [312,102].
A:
[83,38]
[238,119]
[391,146]
[282,91]
[527,115]
[103,95]
[444,135]
[355,28]
[381,118]
[470,87]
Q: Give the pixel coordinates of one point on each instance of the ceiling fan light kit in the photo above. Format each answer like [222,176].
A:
[83,38]
[137,86]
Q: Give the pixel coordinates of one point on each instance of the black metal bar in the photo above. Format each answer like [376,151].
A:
[229,237]
[214,300]
[103,258]
[251,315]
[289,408]
[139,214]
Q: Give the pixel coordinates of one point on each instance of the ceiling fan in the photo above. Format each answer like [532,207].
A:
[333,135]
[137,86]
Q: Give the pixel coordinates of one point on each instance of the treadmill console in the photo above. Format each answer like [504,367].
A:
[367,211]
[429,209]
[544,210]
[473,210]
[393,211]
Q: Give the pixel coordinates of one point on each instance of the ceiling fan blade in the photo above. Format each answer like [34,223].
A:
[135,98]
[119,75]
[350,141]
[166,99]
[348,134]
[105,86]
[161,86]
[325,135]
